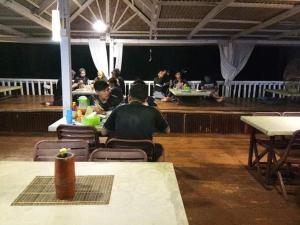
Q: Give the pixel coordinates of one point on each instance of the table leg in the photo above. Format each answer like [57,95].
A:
[269,160]
[251,145]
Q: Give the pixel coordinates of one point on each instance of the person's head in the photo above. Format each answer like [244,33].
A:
[102,90]
[82,72]
[178,75]
[115,73]
[139,81]
[100,74]
[138,92]
[207,79]
[112,82]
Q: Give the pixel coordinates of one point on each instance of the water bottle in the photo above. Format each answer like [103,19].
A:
[69,116]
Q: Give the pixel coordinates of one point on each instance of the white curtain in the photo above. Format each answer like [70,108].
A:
[118,54]
[99,55]
[234,57]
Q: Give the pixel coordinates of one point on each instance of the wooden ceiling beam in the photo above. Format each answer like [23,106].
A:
[260,5]
[23,11]
[11,30]
[269,22]
[138,12]
[215,11]
[186,3]
[80,9]
[286,34]
[44,6]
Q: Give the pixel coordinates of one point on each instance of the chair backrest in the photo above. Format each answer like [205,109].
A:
[87,133]
[266,114]
[291,114]
[46,150]
[117,155]
[146,145]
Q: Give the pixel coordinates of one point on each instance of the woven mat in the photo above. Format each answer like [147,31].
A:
[90,190]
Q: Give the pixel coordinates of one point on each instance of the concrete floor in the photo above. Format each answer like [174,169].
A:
[211,170]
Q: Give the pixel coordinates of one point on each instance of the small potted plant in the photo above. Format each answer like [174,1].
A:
[64,178]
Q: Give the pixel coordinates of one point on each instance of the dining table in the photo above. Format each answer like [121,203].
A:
[190,95]
[271,127]
[140,193]
[87,90]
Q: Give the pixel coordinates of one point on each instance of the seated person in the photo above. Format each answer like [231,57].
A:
[115,89]
[150,100]
[116,73]
[161,84]
[103,99]
[209,84]
[135,120]
[57,94]
[178,83]
[100,76]
[81,80]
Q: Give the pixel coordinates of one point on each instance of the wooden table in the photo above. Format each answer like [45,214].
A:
[271,126]
[142,193]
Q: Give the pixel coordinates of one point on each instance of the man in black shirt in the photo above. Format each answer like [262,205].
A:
[135,120]
[104,100]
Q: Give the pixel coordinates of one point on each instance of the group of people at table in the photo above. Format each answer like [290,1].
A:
[134,116]
[163,82]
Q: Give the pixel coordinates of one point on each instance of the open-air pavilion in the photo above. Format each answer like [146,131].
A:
[210,171]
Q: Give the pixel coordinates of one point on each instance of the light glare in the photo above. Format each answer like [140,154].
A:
[99,26]
[55,26]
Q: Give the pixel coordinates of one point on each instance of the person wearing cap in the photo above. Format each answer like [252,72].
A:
[104,100]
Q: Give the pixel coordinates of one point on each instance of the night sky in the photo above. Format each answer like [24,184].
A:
[43,61]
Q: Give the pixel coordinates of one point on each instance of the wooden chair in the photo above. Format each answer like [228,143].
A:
[291,114]
[113,154]
[46,150]
[87,133]
[287,157]
[147,145]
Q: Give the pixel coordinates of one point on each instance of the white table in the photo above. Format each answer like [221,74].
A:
[142,193]
[271,126]
[63,121]
[88,90]
[192,93]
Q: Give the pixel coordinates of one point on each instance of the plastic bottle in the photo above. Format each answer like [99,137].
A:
[74,109]
[79,116]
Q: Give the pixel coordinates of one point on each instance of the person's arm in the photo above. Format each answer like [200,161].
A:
[160,123]
[109,125]
[167,130]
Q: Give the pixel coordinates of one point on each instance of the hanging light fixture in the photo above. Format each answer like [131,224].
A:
[55,25]
[100,26]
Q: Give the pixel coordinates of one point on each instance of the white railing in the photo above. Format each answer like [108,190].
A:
[237,89]
[252,89]
[31,86]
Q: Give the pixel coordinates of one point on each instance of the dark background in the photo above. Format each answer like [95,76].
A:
[43,61]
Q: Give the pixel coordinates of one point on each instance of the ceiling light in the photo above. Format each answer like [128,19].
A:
[100,26]
[55,25]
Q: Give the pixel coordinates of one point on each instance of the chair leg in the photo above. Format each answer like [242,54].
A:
[283,189]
